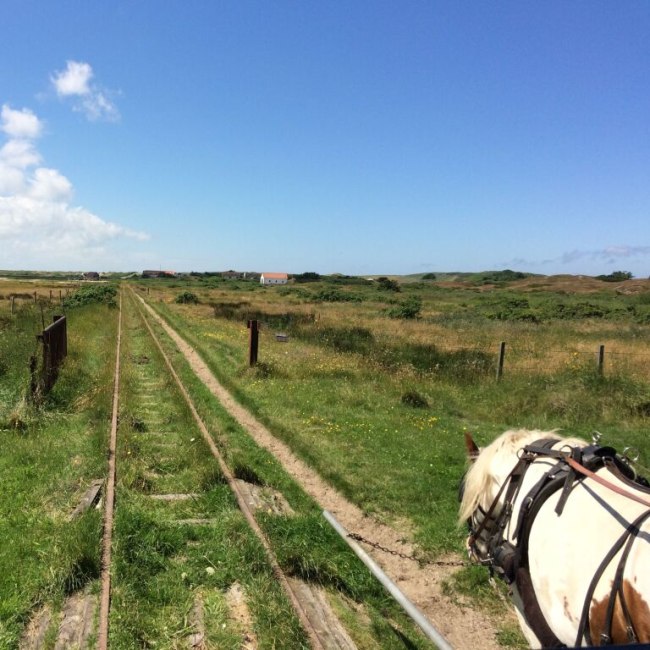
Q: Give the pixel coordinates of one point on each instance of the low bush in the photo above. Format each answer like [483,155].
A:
[331,294]
[414,399]
[408,309]
[386,284]
[616,276]
[187,298]
[92,294]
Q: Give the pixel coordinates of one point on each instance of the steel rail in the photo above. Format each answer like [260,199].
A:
[241,502]
[109,506]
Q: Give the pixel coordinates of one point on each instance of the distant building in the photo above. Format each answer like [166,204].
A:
[91,275]
[159,274]
[233,275]
[274,278]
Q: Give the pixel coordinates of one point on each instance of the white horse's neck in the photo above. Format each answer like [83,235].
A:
[493,466]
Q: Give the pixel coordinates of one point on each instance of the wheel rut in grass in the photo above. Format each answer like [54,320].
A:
[462,625]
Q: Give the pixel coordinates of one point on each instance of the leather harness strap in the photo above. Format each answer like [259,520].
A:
[629,535]
[599,479]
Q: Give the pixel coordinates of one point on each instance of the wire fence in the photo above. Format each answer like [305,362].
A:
[603,359]
[11,302]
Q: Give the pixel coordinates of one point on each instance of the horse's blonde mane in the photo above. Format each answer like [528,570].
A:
[481,478]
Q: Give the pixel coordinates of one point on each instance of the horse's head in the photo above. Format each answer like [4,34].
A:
[480,487]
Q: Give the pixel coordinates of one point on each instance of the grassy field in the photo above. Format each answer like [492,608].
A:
[167,555]
[379,404]
[374,387]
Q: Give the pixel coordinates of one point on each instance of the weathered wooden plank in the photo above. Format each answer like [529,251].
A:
[264,498]
[329,629]
[34,636]
[88,499]
[77,625]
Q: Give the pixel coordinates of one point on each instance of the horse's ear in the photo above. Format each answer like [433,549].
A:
[472,447]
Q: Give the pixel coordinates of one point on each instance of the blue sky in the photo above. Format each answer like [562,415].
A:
[354,137]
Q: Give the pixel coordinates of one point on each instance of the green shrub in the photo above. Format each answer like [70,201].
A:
[187,298]
[91,294]
[309,276]
[331,294]
[386,284]
[414,399]
[616,276]
[506,275]
[408,309]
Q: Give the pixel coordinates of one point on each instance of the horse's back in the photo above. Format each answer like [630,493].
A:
[566,551]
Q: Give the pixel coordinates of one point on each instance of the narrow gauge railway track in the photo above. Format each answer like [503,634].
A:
[159,479]
[324,633]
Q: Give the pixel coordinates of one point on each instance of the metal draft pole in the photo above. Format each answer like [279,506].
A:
[415,614]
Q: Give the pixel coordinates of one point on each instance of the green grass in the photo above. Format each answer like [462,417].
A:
[46,464]
[334,398]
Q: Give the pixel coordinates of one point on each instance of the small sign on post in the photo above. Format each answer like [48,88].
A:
[253,342]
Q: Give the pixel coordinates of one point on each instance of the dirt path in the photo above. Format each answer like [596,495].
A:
[464,627]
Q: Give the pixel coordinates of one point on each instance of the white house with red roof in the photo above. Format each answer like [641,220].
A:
[274,278]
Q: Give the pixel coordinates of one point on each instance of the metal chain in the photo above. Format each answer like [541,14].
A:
[390,551]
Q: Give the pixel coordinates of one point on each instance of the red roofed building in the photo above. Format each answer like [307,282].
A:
[274,278]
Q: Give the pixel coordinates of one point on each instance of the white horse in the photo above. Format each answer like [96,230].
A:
[581,548]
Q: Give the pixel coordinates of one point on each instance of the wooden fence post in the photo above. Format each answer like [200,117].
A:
[601,360]
[34,297]
[253,342]
[502,355]
[13,301]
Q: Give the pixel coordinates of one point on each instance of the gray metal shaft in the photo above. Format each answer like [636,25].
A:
[417,616]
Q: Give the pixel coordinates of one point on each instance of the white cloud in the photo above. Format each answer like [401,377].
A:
[74,79]
[20,124]
[49,186]
[38,224]
[590,261]
[89,98]
[19,153]
[97,106]
[608,254]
